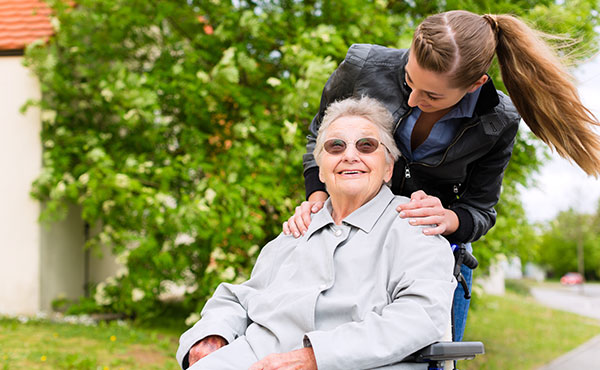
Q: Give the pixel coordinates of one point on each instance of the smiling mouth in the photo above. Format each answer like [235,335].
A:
[351,172]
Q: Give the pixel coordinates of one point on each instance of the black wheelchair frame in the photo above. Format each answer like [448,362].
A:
[437,354]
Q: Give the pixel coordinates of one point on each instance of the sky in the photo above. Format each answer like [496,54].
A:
[560,184]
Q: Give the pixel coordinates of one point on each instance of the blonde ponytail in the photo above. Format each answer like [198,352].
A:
[543,92]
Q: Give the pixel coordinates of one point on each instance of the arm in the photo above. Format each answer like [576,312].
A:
[475,208]
[339,85]
[471,216]
[421,287]
[224,314]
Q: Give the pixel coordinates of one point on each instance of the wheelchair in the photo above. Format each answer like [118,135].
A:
[437,354]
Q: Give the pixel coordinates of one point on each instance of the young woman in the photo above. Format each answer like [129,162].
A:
[454,129]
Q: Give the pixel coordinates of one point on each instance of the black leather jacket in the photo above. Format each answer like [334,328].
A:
[467,176]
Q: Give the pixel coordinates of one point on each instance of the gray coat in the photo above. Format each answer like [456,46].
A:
[363,294]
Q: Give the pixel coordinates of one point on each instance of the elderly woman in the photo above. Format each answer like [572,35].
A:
[361,289]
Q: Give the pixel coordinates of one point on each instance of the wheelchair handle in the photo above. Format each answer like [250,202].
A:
[464,257]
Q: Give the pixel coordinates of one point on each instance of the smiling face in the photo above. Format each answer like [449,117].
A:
[430,90]
[353,177]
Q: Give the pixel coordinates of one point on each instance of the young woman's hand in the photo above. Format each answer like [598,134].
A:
[425,209]
[205,347]
[298,223]
[303,358]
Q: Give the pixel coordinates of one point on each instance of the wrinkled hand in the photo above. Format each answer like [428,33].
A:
[295,360]
[425,209]
[298,223]
[205,347]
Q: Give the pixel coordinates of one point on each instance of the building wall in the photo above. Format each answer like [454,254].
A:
[20,164]
[38,263]
[62,259]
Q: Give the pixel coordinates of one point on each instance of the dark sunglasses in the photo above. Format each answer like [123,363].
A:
[365,145]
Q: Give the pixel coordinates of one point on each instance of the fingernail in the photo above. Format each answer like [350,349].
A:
[412,222]
[296,235]
[402,214]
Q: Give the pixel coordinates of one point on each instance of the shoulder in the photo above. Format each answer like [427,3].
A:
[503,119]
[408,247]
[408,234]
[278,248]
[360,54]
[507,110]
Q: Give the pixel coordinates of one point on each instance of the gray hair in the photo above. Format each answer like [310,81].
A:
[367,108]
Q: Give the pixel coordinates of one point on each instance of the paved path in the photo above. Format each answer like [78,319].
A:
[586,356]
[584,301]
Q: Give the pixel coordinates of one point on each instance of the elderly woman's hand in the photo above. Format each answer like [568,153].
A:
[425,209]
[298,223]
[205,347]
[303,358]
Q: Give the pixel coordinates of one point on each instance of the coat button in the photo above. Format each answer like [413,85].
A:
[337,232]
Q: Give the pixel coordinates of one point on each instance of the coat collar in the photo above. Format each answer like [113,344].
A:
[363,218]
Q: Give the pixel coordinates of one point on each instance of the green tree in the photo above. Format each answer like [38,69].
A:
[567,235]
[178,126]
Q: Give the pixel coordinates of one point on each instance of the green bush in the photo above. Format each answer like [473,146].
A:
[517,286]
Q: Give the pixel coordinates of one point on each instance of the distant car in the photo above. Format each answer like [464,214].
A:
[571,278]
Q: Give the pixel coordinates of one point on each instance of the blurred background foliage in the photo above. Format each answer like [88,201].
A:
[561,239]
[178,127]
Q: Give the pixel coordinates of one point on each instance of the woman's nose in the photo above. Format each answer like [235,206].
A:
[350,154]
[414,98]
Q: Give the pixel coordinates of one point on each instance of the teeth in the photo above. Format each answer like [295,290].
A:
[350,172]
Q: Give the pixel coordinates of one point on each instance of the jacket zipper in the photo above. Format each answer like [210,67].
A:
[407,174]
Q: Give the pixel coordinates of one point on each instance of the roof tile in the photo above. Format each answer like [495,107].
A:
[23,22]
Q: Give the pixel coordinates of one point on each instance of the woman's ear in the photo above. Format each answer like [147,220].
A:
[478,84]
[389,171]
[321,177]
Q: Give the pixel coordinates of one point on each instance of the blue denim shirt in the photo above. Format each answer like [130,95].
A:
[441,134]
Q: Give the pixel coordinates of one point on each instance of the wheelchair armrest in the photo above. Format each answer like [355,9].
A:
[448,351]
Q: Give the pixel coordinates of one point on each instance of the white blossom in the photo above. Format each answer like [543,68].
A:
[84,178]
[122,180]
[184,238]
[228,274]
[192,319]
[166,200]
[253,250]
[273,81]
[101,297]
[210,195]
[137,294]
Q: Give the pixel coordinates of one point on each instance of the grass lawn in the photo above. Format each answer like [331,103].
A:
[46,345]
[520,334]
[517,332]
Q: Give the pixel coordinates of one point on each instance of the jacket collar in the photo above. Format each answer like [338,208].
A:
[488,98]
[363,218]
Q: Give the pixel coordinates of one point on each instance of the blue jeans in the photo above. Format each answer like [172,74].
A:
[461,305]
